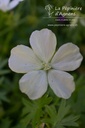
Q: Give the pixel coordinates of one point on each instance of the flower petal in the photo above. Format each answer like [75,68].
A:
[23,59]
[43,43]
[4,5]
[13,4]
[61,83]
[5,1]
[67,58]
[34,84]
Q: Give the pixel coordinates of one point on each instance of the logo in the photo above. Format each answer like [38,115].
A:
[62,15]
[49,9]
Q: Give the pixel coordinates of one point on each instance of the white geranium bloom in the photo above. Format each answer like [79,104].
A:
[6,5]
[44,66]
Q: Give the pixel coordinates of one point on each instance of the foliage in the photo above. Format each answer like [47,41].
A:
[16,110]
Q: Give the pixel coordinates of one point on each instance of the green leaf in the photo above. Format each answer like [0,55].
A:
[3,63]
[33,110]
[3,97]
[70,121]
[6,123]
[63,111]
[1,80]
[25,121]
[61,118]
[59,127]
[51,111]
[2,72]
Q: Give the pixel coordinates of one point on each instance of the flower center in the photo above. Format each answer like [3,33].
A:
[46,66]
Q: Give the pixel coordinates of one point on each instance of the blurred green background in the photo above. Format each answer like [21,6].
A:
[16,27]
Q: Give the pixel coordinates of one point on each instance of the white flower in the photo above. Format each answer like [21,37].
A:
[44,66]
[6,5]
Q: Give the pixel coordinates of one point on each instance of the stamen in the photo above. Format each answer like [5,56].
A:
[46,66]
